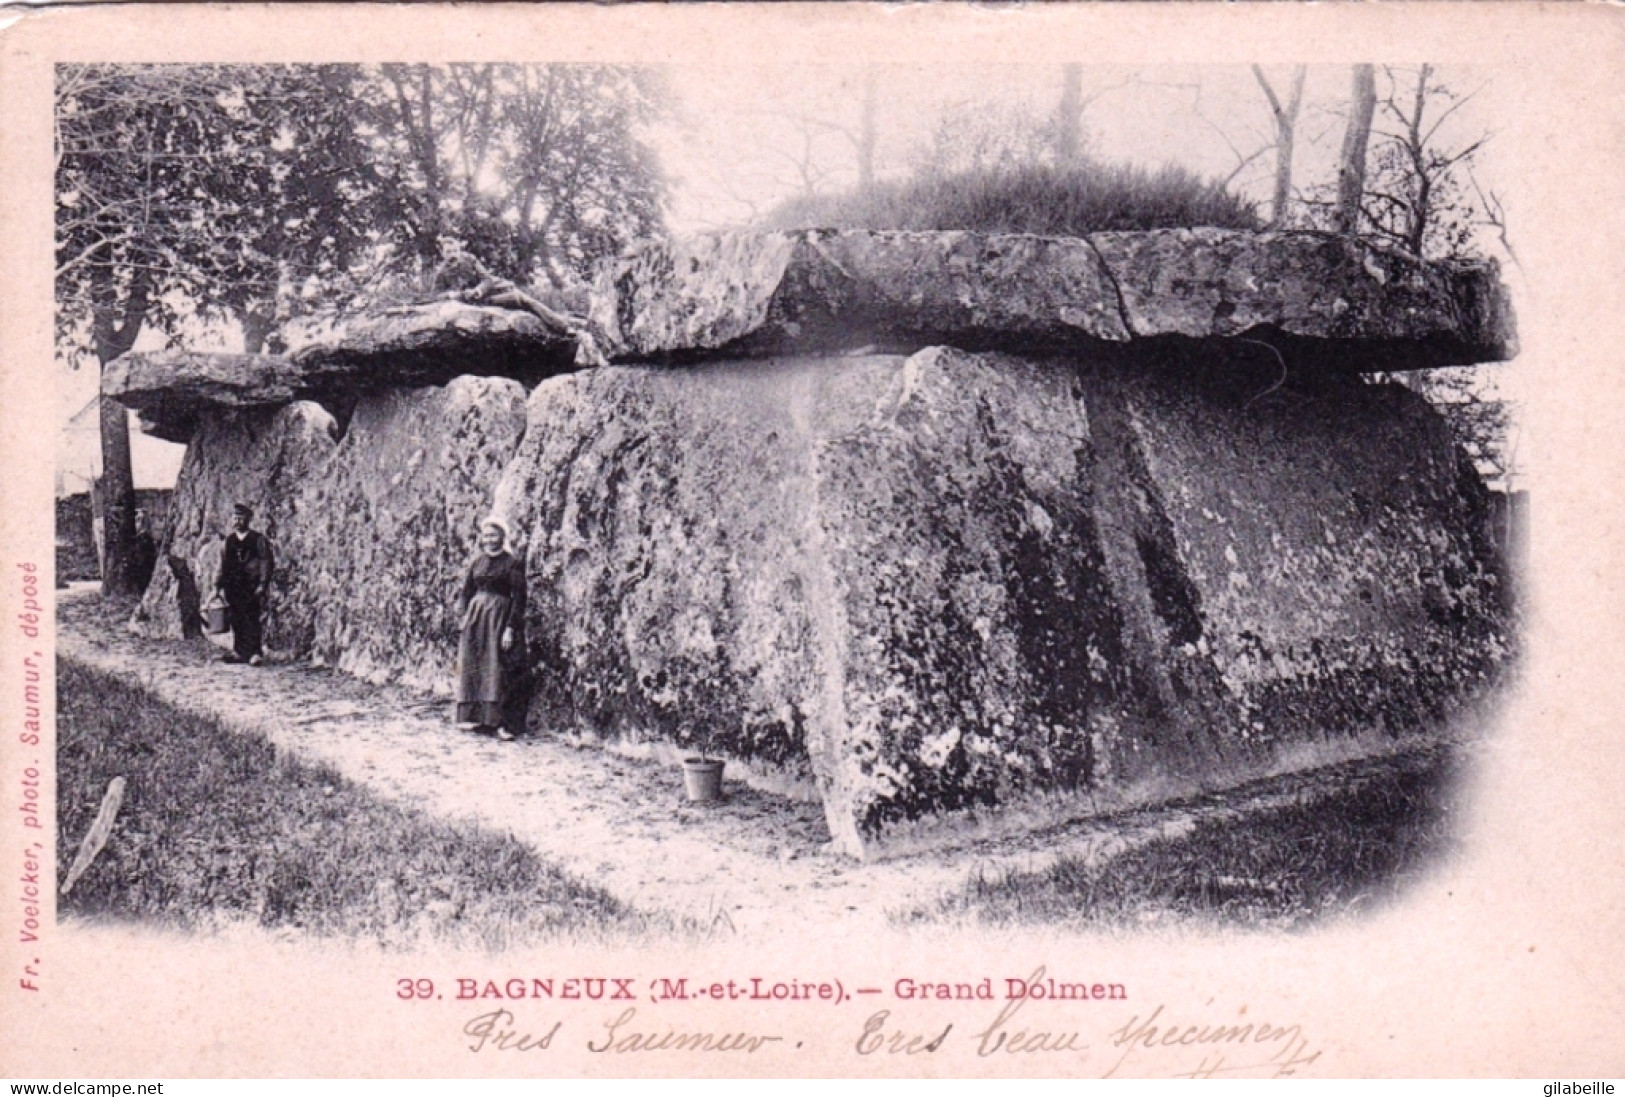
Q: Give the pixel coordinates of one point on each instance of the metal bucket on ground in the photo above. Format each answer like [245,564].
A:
[702,780]
[214,617]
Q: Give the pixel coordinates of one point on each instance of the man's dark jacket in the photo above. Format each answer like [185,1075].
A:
[245,566]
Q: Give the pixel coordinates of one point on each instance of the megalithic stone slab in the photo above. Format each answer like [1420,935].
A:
[1338,302]
[746,294]
[972,590]
[1351,303]
[171,389]
[428,344]
[259,456]
[1314,298]
[372,532]
[333,361]
[387,530]
[1105,550]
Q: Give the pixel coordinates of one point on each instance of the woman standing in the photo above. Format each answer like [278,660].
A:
[491,659]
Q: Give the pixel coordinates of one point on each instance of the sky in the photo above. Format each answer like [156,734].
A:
[736,136]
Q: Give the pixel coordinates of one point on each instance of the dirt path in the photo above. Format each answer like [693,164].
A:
[757,862]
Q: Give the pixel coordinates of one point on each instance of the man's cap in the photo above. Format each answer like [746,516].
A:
[244,509]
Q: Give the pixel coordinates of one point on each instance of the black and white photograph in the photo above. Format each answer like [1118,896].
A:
[855,552]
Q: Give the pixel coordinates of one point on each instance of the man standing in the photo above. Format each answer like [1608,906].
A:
[244,581]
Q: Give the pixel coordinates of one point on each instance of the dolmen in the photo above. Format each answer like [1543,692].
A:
[961,534]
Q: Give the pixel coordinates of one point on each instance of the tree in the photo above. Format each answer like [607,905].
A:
[986,136]
[808,157]
[1416,190]
[1071,140]
[117,149]
[863,142]
[1351,163]
[817,150]
[1416,197]
[538,171]
[255,192]
[1069,115]
[1420,197]
[1281,138]
[1285,117]
[174,186]
[302,202]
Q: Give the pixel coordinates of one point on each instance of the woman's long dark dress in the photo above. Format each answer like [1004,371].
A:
[491,682]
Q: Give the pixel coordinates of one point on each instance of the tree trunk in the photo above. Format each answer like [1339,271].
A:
[1416,151]
[1069,116]
[1351,165]
[98,523]
[417,124]
[1286,128]
[257,326]
[120,571]
[118,502]
[866,136]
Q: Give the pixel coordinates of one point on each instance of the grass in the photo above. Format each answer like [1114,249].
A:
[1033,199]
[219,827]
[1284,867]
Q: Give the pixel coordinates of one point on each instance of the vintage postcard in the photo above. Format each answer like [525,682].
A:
[812,540]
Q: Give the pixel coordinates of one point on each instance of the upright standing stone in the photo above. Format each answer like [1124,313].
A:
[955,590]
[372,534]
[387,530]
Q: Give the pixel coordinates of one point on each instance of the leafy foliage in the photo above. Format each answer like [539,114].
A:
[206,189]
[537,171]
[260,191]
[1416,195]
[191,190]
[1034,198]
[1419,194]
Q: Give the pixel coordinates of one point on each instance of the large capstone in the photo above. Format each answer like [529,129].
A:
[173,389]
[1330,299]
[738,294]
[335,361]
[428,344]
[745,294]
[950,583]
